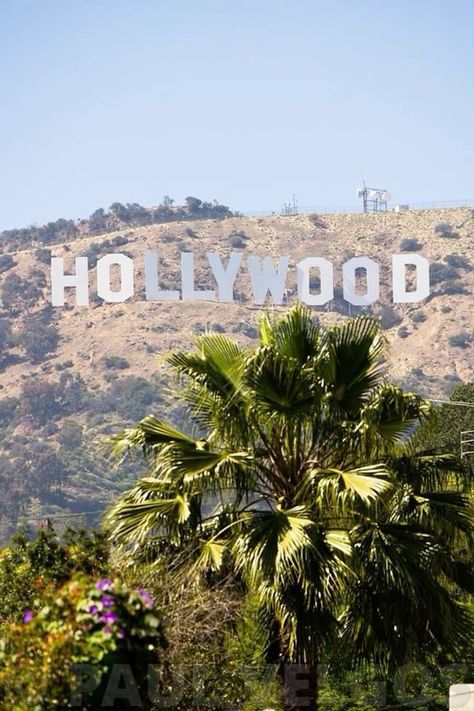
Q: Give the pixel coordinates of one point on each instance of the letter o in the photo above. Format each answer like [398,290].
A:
[326,272]
[349,281]
[126,278]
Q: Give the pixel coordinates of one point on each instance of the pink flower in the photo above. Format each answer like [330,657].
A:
[146,597]
[107,601]
[104,584]
[109,617]
[28,616]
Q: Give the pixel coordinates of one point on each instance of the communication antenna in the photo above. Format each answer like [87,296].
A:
[374,199]
[290,207]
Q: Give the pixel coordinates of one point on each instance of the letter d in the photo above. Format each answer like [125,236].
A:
[399,277]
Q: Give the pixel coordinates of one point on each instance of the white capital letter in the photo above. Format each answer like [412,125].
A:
[126,278]
[399,265]
[153,292]
[79,281]
[187,281]
[268,279]
[225,278]
[326,292]
[372,292]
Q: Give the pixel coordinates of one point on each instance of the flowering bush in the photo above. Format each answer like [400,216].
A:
[88,647]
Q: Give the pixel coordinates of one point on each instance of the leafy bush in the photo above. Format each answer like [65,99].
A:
[458,261]
[6,262]
[238,239]
[460,340]
[30,566]
[317,221]
[8,409]
[118,362]
[444,229]
[43,255]
[403,332]
[441,272]
[83,630]
[42,400]
[217,328]
[19,294]
[452,287]
[418,316]
[6,339]
[119,241]
[410,244]
[129,397]
[70,434]
[389,317]
[37,338]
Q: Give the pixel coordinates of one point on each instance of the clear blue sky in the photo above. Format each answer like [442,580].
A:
[244,101]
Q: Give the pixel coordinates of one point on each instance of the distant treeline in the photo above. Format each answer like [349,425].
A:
[118,215]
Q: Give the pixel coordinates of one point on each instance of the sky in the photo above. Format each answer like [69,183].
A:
[246,102]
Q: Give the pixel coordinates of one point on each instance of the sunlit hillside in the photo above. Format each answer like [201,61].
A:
[71,375]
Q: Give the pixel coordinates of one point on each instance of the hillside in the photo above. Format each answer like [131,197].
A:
[72,375]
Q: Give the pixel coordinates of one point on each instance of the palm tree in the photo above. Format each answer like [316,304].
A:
[299,476]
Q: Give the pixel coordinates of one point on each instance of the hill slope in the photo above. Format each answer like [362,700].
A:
[71,375]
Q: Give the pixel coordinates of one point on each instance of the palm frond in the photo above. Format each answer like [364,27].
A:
[295,335]
[368,483]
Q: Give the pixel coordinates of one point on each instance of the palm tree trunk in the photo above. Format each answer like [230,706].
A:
[301,687]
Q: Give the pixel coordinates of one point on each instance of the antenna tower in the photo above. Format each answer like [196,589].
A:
[374,199]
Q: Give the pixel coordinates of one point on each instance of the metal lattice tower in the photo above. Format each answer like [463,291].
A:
[374,199]
[290,208]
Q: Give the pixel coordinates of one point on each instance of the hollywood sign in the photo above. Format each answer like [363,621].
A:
[268,280]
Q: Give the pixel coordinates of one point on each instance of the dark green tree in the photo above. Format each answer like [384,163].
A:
[38,338]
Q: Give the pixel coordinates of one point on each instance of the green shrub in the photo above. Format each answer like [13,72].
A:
[403,332]
[460,340]
[38,338]
[442,272]
[389,317]
[410,244]
[119,241]
[43,255]
[118,362]
[29,567]
[317,221]
[444,229]
[6,262]
[237,242]
[453,287]
[217,328]
[418,316]
[86,626]
[238,239]
[110,377]
[458,262]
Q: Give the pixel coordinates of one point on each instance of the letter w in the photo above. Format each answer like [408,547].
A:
[267,278]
